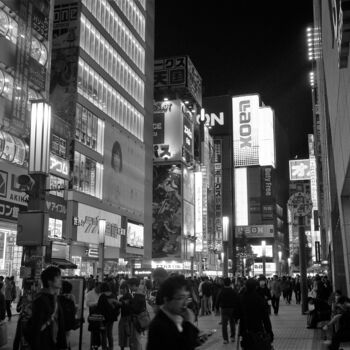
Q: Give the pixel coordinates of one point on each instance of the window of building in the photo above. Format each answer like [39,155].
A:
[87,175]
[6,85]
[56,186]
[122,35]
[96,90]
[59,146]
[38,51]
[133,14]
[109,59]
[89,129]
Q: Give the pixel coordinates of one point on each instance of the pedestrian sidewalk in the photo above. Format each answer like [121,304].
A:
[289,328]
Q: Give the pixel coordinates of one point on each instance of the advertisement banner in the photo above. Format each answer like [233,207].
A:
[198,210]
[218,188]
[299,169]
[187,135]
[266,183]
[10,211]
[65,53]
[167,211]
[87,225]
[266,137]
[135,235]
[188,185]
[205,207]
[123,173]
[171,147]
[256,231]
[194,82]
[158,128]
[245,114]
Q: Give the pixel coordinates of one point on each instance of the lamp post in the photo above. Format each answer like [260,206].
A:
[263,253]
[280,262]
[244,265]
[289,262]
[33,224]
[225,226]
[101,246]
[192,243]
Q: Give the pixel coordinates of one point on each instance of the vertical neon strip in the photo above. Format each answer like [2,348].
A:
[241,197]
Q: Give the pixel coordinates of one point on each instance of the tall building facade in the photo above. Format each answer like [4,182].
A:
[25,56]
[329,55]
[102,86]
[253,193]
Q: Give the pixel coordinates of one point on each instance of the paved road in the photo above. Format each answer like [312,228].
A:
[289,329]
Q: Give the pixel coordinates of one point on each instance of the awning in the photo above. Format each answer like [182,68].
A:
[63,263]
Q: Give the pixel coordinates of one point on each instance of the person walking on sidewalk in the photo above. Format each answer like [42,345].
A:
[275,294]
[255,324]
[297,290]
[227,301]
[8,297]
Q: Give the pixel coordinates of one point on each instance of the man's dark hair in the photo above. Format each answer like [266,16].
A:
[49,274]
[227,281]
[171,285]
[104,287]
[66,287]
[133,282]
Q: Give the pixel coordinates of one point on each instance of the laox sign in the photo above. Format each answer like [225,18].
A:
[210,119]
[245,129]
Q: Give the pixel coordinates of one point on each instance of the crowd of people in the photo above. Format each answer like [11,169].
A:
[166,308]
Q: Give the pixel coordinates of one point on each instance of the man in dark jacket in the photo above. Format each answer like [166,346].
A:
[172,328]
[255,321]
[47,323]
[228,302]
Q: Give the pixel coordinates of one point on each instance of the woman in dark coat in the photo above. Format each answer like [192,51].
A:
[125,318]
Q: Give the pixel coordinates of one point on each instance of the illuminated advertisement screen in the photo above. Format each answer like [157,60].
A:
[55,228]
[134,237]
[257,249]
[167,211]
[299,169]
[198,210]
[245,130]
[266,137]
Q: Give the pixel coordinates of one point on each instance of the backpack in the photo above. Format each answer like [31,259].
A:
[69,310]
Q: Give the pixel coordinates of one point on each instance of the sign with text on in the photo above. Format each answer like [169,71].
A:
[299,169]
[59,166]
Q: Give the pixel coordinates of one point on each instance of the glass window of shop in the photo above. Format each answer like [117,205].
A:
[101,94]
[57,186]
[109,59]
[89,130]
[58,146]
[8,27]
[118,30]
[10,253]
[87,175]
[133,14]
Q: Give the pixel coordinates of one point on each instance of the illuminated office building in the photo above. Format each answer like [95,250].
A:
[102,85]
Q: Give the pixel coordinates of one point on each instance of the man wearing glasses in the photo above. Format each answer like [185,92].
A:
[173,328]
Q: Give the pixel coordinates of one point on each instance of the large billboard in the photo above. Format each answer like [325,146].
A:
[180,74]
[218,189]
[198,210]
[171,119]
[256,231]
[124,172]
[245,114]
[167,211]
[253,132]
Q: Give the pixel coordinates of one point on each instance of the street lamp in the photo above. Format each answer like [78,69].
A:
[289,262]
[263,253]
[244,265]
[101,241]
[225,225]
[280,262]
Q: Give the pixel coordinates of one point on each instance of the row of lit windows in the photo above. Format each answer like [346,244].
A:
[107,99]
[143,3]
[87,175]
[9,29]
[89,130]
[133,14]
[110,20]
[108,58]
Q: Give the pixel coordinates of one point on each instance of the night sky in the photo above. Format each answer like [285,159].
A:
[246,46]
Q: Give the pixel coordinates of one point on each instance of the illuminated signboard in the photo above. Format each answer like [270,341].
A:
[198,210]
[256,231]
[218,189]
[210,119]
[59,166]
[257,249]
[171,119]
[299,169]
[266,137]
[241,196]
[245,130]
[134,237]
[269,268]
